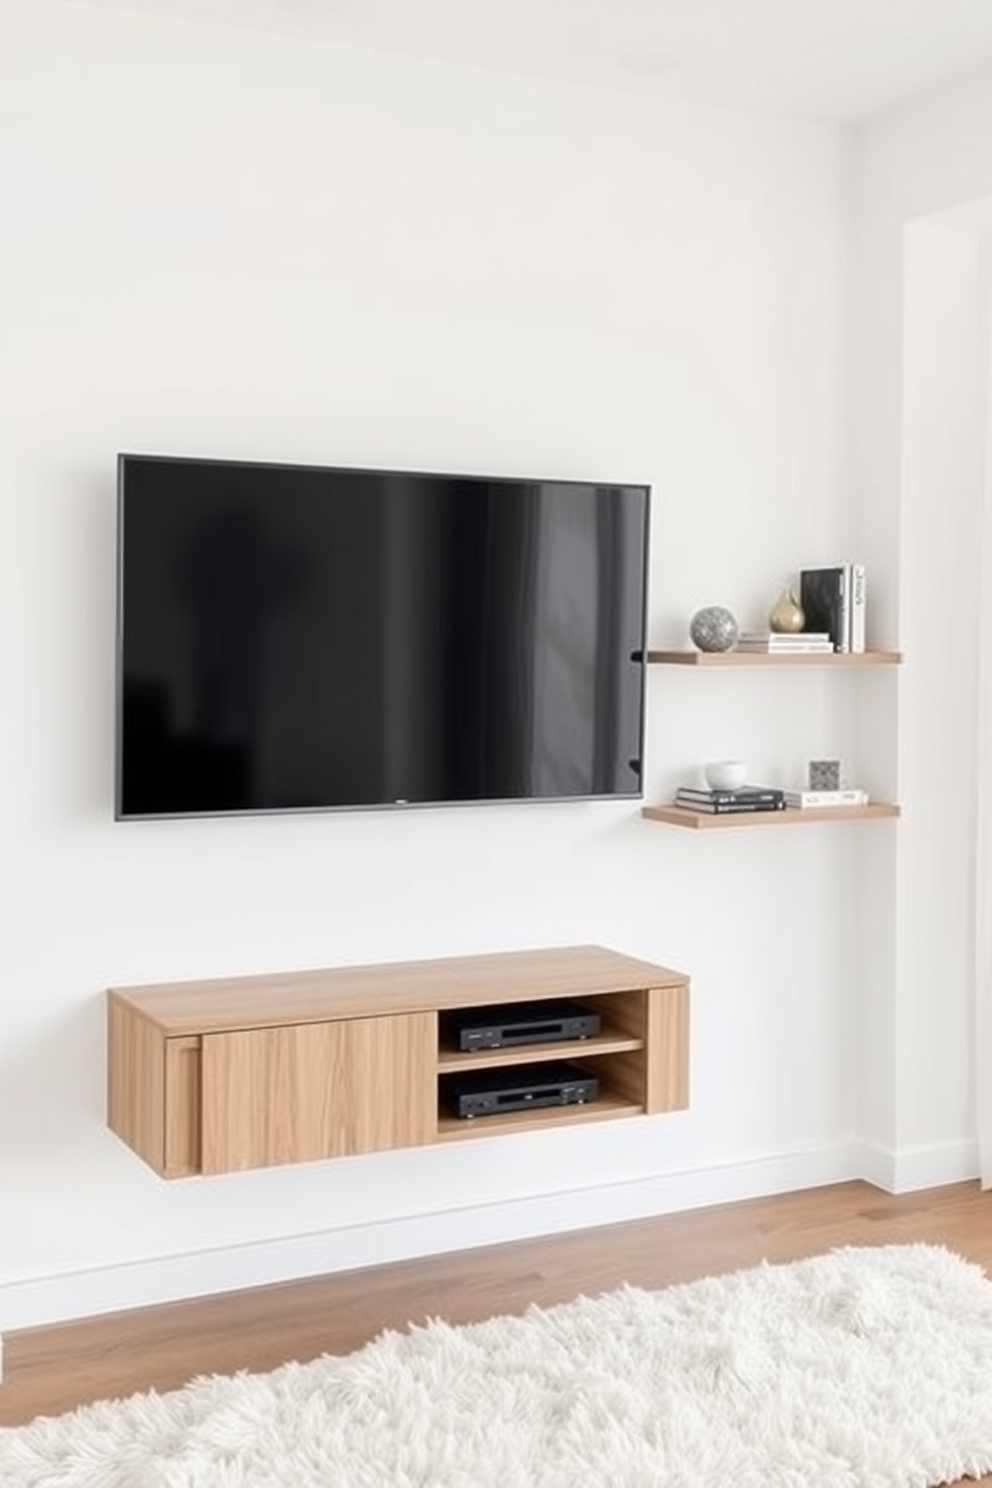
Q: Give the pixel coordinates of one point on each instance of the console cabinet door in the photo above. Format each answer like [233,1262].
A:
[314,1090]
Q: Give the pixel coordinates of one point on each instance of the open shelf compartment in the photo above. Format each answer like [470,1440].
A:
[638,1067]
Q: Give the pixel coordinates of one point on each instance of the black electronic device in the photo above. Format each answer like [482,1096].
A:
[553,1082]
[302,638]
[517,1023]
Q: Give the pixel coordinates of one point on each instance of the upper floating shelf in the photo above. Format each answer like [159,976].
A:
[763,658]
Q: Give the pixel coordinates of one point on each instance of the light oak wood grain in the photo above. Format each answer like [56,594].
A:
[608,1106]
[789,816]
[282,1095]
[830,659]
[280,998]
[667,1066]
[183,1107]
[136,1093]
[597,1043]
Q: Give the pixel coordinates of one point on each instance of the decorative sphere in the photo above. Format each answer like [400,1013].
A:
[713,629]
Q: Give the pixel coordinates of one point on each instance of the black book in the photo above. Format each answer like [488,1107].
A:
[717,808]
[768,794]
[825,596]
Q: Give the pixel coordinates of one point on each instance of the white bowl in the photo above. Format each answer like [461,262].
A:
[725,774]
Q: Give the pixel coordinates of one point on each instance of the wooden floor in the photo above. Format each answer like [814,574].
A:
[52,1369]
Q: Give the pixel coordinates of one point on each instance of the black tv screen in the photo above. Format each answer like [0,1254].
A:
[294,638]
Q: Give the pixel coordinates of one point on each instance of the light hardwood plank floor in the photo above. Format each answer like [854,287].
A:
[53,1369]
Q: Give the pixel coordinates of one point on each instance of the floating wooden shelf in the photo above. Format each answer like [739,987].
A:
[761,658]
[683,816]
[599,1043]
[605,1108]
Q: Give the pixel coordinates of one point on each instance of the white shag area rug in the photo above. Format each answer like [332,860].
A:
[862,1368]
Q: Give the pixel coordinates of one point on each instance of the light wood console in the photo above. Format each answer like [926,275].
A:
[246,1072]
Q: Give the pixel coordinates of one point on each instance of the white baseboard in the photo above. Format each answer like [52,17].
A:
[58,1298]
[204,1273]
[907,1171]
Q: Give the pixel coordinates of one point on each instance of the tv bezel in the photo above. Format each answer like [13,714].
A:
[124,457]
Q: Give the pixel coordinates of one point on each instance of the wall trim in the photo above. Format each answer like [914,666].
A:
[910,1169]
[87,1293]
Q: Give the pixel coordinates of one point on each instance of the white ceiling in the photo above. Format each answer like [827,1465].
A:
[839,60]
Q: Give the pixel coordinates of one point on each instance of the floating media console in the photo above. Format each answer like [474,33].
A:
[247,1072]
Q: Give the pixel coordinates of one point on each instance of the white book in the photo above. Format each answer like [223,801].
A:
[857,607]
[849,796]
[794,648]
[782,638]
[845,607]
[799,649]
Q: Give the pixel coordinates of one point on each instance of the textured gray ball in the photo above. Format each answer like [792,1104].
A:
[713,629]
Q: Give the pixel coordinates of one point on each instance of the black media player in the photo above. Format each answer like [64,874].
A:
[512,1023]
[553,1082]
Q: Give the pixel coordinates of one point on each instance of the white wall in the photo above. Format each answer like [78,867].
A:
[920,378]
[223,244]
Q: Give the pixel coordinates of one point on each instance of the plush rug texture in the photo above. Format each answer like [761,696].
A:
[863,1367]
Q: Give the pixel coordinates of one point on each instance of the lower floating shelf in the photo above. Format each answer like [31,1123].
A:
[684,816]
[604,1108]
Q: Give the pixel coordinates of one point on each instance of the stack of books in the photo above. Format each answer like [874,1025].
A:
[778,643]
[848,796]
[747,798]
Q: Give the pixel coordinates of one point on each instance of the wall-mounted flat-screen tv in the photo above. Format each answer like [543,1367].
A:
[295,638]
